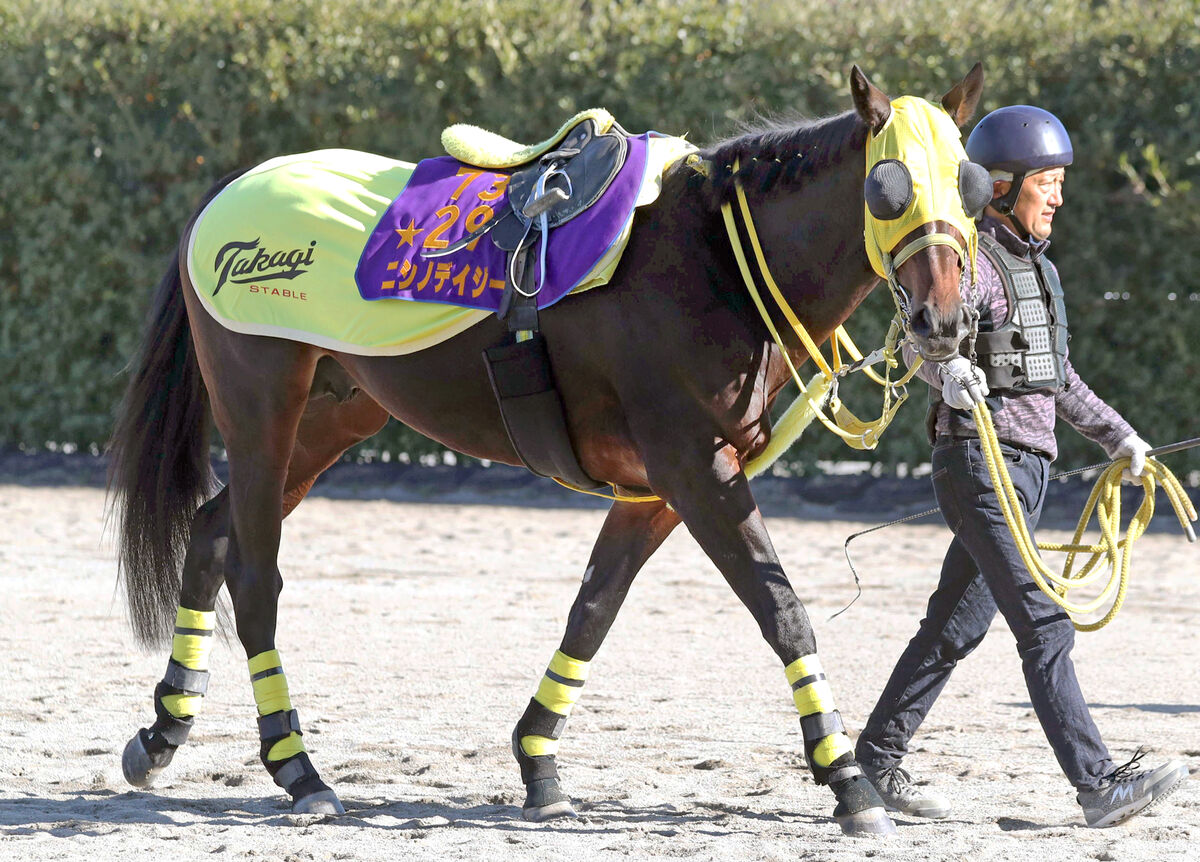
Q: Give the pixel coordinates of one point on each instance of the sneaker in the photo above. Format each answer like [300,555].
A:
[900,793]
[1127,791]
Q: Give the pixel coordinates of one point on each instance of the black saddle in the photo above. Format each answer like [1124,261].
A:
[561,184]
[543,194]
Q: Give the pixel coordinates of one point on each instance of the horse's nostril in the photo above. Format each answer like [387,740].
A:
[918,322]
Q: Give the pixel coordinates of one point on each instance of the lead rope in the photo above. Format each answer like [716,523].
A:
[1099,491]
[1105,500]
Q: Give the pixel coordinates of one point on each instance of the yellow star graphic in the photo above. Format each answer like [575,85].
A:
[408,234]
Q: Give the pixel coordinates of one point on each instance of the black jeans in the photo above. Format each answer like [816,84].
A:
[983,571]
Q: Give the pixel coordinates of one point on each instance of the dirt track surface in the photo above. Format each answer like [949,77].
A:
[413,634]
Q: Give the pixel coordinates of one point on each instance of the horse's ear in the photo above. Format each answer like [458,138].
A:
[963,98]
[872,104]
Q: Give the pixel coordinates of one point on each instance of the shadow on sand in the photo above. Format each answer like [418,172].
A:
[96,812]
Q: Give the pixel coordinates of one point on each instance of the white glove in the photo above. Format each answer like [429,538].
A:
[1134,448]
[963,384]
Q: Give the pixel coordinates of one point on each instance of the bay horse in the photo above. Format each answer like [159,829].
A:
[667,375]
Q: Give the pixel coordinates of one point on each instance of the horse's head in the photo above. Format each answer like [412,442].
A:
[921,196]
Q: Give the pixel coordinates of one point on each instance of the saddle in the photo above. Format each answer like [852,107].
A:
[552,183]
[559,179]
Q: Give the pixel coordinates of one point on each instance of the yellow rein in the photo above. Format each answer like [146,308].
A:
[853,431]
[1105,499]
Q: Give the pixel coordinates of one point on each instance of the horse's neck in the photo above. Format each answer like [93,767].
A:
[812,236]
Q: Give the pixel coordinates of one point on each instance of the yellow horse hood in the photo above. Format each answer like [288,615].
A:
[924,139]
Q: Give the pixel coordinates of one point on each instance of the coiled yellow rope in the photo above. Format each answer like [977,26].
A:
[1105,500]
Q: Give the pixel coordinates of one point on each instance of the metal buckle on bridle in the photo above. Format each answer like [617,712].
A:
[966,289]
[902,298]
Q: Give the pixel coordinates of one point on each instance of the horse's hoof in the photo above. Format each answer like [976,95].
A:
[869,821]
[544,800]
[321,802]
[139,766]
[860,810]
[556,811]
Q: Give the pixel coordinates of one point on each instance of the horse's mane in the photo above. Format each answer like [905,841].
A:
[780,150]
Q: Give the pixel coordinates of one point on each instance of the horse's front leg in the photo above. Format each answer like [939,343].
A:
[178,697]
[631,533]
[716,504]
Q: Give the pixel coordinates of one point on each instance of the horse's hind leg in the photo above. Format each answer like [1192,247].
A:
[178,697]
[329,427]
[259,499]
[279,445]
[631,533]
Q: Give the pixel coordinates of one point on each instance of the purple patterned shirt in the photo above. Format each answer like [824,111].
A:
[1026,420]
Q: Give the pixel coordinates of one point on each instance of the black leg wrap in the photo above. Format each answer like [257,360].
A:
[185,679]
[857,794]
[859,810]
[271,729]
[296,775]
[278,725]
[537,721]
[815,728]
[533,768]
[167,730]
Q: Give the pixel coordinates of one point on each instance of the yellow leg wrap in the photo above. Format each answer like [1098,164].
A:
[183,705]
[558,695]
[271,695]
[815,696]
[190,649]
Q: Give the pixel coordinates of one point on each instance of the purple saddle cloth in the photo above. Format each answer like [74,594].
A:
[445,200]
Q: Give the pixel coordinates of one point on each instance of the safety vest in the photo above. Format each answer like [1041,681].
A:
[1028,351]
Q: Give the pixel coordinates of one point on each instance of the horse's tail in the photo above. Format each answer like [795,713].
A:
[159,471]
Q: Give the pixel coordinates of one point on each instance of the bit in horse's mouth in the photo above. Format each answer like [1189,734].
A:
[937,357]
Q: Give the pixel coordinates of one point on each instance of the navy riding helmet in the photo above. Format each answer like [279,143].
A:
[1019,139]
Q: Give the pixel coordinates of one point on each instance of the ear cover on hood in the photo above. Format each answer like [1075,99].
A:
[974,187]
[888,190]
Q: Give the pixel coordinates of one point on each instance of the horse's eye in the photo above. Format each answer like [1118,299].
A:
[974,186]
[888,189]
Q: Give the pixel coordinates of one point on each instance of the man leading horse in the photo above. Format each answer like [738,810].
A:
[1023,365]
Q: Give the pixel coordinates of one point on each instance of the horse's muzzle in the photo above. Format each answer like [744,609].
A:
[937,334]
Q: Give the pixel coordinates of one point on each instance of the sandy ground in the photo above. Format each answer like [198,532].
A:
[414,633]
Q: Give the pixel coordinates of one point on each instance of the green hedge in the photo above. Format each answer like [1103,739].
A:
[116,116]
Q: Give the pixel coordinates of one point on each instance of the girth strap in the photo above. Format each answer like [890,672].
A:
[532,410]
